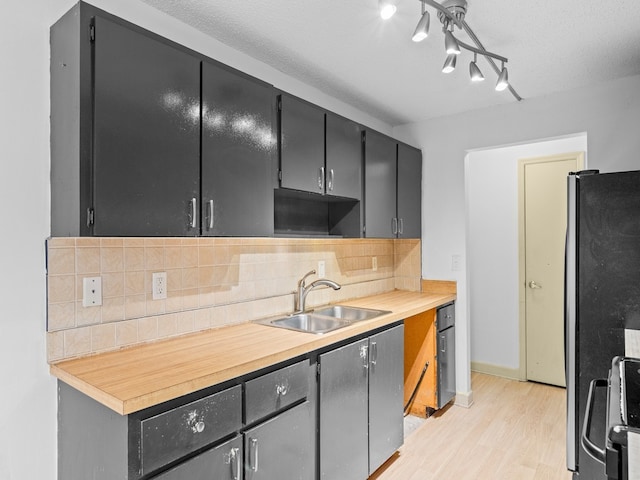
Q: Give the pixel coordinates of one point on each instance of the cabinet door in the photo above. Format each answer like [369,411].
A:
[146,146]
[446,366]
[344,412]
[380,186]
[386,392]
[409,192]
[301,145]
[344,157]
[281,448]
[223,462]
[238,149]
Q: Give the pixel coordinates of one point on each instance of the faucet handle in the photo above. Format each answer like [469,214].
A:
[301,282]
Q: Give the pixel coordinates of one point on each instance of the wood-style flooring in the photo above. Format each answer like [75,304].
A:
[513,431]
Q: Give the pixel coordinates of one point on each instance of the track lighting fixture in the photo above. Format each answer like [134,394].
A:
[474,71]
[451,14]
[422,29]
[503,79]
[450,63]
[387,9]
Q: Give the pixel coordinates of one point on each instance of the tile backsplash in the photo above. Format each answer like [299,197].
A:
[211,282]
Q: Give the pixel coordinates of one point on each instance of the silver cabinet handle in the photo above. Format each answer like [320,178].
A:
[210,214]
[253,454]
[330,182]
[394,226]
[401,228]
[444,344]
[233,459]
[194,212]
[374,353]
[533,284]
[283,388]
[321,178]
[364,355]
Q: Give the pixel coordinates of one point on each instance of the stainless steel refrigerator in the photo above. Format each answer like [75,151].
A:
[602,295]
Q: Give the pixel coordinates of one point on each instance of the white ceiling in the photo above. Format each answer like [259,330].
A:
[344,48]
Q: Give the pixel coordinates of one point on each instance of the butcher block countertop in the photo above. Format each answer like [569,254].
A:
[135,378]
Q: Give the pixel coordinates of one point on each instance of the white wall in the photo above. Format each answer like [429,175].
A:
[28,401]
[609,114]
[492,246]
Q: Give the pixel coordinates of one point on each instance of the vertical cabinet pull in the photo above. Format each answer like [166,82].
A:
[330,181]
[210,214]
[401,226]
[364,355]
[321,178]
[374,353]
[233,459]
[194,212]
[394,226]
[444,344]
[253,454]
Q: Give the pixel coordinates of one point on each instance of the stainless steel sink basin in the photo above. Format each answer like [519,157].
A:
[350,314]
[307,322]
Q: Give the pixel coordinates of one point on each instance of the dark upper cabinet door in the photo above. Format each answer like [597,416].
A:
[380,186]
[301,145]
[409,192]
[238,150]
[146,150]
[344,157]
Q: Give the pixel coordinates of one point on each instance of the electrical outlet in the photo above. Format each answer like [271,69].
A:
[159,282]
[374,263]
[456,261]
[321,271]
[91,292]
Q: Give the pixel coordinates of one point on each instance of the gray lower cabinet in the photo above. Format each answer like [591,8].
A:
[361,412]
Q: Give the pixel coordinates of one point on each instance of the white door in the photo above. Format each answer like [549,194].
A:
[543,184]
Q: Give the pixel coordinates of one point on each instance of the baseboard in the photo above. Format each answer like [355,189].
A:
[464,399]
[496,370]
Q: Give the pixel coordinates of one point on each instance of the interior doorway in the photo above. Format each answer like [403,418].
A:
[542,216]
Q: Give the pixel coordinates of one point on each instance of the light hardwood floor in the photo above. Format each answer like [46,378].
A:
[513,431]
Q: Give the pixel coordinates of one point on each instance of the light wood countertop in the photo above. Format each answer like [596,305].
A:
[135,378]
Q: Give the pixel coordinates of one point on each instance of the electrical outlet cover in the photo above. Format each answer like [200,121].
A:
[159,285]
[91,292]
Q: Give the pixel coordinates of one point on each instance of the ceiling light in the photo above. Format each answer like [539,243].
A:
[474,71]
[503,79]
[449,64]
[387,9]
[451,14]
[451,44]
[422,29]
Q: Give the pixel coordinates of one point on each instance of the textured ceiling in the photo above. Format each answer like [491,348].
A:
[344,48]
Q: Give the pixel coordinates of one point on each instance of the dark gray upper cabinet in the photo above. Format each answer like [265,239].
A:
[409,192]
[301,145]
[238,153]
[343,173]
[380,186]
[393,188]
[146,135]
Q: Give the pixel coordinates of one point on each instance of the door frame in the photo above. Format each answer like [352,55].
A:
[522,292]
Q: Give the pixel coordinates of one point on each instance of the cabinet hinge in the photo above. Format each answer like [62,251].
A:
[90,217]
[92,33]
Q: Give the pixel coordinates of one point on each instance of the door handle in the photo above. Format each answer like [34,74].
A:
[591,448]
[330,182]
[194,212]
[364,355]
[374,353]
[253,454]
[394,225]
[233,459]
[533,284]
[210,214]
[321,179]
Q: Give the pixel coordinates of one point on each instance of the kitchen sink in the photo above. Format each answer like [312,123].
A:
[307,322]
[323,320]
[350,314]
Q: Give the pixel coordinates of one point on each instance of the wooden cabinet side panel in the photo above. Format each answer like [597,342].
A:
[420,347]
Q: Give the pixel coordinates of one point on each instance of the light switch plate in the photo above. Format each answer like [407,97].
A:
[321,270]
[91,292]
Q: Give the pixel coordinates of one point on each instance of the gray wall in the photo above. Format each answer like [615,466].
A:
[609,114]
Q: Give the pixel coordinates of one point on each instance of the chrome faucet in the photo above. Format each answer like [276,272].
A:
[303,290]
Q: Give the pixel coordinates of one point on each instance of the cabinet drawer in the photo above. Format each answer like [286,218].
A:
[175,433]
[274,391]
[446,316]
